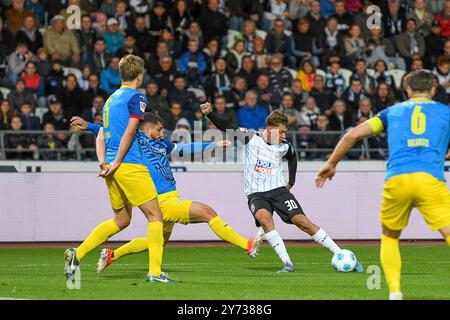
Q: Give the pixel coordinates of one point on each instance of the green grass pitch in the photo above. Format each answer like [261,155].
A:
[222,272]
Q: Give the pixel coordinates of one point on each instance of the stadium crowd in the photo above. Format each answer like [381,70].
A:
[318,62]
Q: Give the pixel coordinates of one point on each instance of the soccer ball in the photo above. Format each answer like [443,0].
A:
[343,261]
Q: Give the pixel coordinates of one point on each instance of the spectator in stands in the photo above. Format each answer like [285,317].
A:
[260,55]
[34,83]
[221,110]
[277,10]
[268,96]
[17,61]
[304,141]
[235,98]
[345,19]
[306,75]
[382,48]
[287,108]
[176,113]
[444,19]
[340,118]
[61,43]
[50,143]
[110,78]
[360,72]
[249,72]
[323,96]
[252,115]
[298,94]
[335,80]
[156,102]
[354,45]
[93,90]
[180,94]
[219,82]
[38,10]
[55,79]
[166,77]
[280,77]
[434,44]
[129,47]
[172,44]
[410,43]
[55,115]
[30,35]
[213,22]
[22,143]
[71,97]
[42,64]
[193,33]
[304,42]
[278,41]
[234,56]
[310,112]
[192,64]
[364,110]
[16,15]
[181,18]
[422,17]
[330,42]
[144,41]
[317,22]
[442,71]
[298,9]
[6,115]
[394,22]
[153,64]
[383,98]
[416,64]
[383,75]
[441,94]
[6,38]
[109,7]
[354,94]
[83,81]
[18,96]
[159,19]
[86,37]
[114,36]
[89,114]
[211,53]
[248,34]
[323,140]
[123,16]
[29,120]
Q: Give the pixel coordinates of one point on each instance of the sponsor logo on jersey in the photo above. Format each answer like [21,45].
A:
[264,167]
[142,105]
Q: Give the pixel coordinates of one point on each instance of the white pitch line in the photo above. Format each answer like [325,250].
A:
[9,298]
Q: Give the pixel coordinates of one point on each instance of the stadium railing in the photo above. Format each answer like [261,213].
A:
[80,146]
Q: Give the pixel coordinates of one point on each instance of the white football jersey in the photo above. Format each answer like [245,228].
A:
[263,169]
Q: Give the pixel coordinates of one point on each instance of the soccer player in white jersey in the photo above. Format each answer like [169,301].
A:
[265,185]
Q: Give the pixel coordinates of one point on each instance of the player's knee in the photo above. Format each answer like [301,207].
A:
[208,213]
[122,222]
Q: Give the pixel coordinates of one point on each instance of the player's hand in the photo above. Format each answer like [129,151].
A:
[103,170]
[79,122]
[112,168]
[223,144]
[206,108]
[327,172]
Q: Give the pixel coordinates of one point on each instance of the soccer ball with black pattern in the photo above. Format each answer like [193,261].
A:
[343,261]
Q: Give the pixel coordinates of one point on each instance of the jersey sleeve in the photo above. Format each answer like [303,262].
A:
[169,145]
[137,105]
[379,122]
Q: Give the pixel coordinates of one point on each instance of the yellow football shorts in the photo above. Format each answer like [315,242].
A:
[173,209]
[420,190]
[131,183]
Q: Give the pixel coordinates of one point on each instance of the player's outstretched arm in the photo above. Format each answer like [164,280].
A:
[291,157]
[84,125]
[347,142]
[125,143]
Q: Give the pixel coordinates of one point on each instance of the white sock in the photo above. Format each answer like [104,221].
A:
[273,237]
[325,241]
[395,296]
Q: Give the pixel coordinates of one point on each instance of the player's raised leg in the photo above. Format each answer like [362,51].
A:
[199,212]
[265,219]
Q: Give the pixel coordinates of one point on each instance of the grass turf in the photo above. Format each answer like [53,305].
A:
[222,272]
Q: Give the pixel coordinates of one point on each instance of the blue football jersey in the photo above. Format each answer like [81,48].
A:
[418,137]
[122,105]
